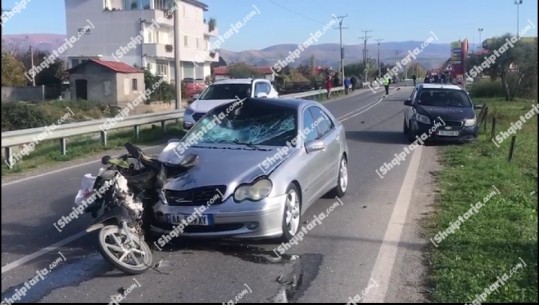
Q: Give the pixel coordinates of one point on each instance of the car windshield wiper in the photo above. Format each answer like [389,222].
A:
[248,144]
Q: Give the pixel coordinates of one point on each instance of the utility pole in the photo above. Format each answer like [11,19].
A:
[365,37]
[379,67]
[340,28]
[177,62]
[518,3]
[480,43]
[32,66]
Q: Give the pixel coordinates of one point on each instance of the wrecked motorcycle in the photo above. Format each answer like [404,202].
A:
[120,199]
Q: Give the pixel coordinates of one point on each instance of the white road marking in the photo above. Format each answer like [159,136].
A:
[354,114]
[62,169]
[387,255]
[53,247]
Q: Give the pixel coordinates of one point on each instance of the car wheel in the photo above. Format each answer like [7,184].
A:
[405,127]
[411,134]
[292,213]
[342,180]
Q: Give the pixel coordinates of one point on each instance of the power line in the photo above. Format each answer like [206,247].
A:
[296,13]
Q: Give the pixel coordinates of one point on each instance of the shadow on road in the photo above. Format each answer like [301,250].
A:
[382,137]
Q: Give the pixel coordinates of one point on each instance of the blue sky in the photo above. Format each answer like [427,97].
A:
[291,21]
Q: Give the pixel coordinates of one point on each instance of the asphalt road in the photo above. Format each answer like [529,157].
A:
[335,260]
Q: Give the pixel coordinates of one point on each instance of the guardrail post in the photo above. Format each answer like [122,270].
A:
[137,131]
[9,157]
[63,146]
[163,125]
[103,137]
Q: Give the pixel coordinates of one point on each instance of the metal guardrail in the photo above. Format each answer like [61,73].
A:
[62,132]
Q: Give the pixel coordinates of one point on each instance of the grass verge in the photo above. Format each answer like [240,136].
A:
[502,234]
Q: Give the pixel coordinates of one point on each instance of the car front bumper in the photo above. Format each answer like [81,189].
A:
[468,133]
[250,220]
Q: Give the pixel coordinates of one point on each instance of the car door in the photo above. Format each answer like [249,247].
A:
[331,155]
[309,174]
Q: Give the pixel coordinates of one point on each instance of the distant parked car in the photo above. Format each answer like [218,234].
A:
[193,86]
[429,103]
[224,91]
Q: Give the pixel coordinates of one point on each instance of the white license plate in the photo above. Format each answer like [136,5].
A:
[202,220]
[451,133]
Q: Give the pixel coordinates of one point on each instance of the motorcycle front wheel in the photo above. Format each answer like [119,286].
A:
[133,257]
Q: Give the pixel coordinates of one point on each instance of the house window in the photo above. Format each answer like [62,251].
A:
[185,41]
[197,43]
[134,84]
[146,4]
[75,62]
[162,69]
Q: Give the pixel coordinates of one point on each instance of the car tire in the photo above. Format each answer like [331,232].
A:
[342,179]
[411,134]
[292,213]
[405,128]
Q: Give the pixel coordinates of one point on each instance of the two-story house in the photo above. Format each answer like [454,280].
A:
[141,33]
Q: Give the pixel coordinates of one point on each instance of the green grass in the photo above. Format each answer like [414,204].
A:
[490,243]
[48,152]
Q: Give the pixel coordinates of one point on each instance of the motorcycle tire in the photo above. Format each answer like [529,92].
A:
[113,252]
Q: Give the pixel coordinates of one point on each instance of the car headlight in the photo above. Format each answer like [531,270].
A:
[470,122]
[256,191]
[422,118]
[189,111]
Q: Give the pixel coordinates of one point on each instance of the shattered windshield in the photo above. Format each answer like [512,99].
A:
[226,92]
[252,123]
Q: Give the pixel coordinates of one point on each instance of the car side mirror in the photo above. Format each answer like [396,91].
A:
[408,103]
[478,106]
[315,146]
[261,95]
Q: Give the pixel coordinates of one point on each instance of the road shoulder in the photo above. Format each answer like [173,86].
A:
[409,279]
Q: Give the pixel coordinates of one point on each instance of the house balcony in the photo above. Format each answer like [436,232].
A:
[158,50]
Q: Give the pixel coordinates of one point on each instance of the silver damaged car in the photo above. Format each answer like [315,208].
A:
[262,164]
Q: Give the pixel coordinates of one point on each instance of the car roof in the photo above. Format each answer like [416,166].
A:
[238,81]
[439,86]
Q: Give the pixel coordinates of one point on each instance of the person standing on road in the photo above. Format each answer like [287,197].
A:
[346,85]
[414,77]
[427,79]
[353,82]
[386,84]
[329,85]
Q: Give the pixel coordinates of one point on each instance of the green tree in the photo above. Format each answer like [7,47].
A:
[164,92]
[12,71]
[511,64]
[241,70]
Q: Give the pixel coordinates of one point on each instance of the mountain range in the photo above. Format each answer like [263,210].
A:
[327,54]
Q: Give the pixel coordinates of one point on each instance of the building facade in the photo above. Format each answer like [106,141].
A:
[141,33]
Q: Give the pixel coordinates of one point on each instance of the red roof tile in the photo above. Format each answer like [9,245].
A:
[224,70]
[116,66]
